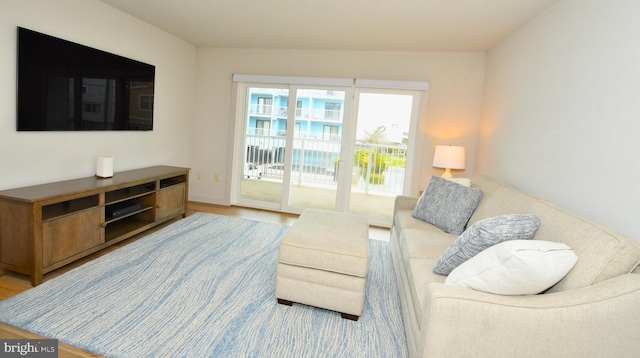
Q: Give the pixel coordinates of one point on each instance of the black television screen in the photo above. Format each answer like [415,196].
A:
[65,86]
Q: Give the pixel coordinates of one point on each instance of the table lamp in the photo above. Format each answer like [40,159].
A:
[449,157]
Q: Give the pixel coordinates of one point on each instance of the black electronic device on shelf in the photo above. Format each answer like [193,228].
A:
[123,208]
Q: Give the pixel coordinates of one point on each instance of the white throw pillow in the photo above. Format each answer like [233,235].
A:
[515,267]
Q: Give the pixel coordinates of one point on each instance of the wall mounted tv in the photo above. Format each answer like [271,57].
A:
[65,86]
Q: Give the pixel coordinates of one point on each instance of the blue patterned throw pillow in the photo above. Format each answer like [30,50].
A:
[484,234]
[447,205]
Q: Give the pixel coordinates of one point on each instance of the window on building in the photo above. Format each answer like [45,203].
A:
[330,132]
[263,127]
[332,110]
[264,105]
[296,130]
[298,108]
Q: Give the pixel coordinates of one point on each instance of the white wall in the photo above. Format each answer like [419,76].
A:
[452,112]
[36,157]
[561,114]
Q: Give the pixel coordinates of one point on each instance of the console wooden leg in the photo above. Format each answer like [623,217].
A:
[349,316]
[285,302]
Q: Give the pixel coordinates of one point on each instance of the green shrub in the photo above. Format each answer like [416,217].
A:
[361,158]
[376,179]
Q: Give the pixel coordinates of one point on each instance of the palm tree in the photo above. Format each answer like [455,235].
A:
[379,136]
[364,156]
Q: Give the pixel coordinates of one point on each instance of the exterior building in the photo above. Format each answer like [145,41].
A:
[317,142]
[318,113]
[317,131]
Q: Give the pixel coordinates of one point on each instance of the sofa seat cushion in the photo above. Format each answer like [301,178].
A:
[404,219]
[447,205]
[486,233]
[516,267]
[420,276]
[416,243]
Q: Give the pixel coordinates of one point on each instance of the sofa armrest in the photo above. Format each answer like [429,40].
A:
[597,321]
[404,202]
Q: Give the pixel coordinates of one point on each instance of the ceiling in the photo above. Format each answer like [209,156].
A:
[387,25]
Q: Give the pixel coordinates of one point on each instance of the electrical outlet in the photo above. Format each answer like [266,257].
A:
[199,175]
[434,143]
[216,178]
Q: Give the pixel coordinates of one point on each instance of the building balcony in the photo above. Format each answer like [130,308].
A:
[376,179]
[268,111]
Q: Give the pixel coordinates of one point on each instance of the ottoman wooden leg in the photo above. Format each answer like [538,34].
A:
[285,302]
[349,316]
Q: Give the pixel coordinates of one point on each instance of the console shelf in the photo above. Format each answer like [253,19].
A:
[130,192]
[68,207]
[123,229]
[124,216]
[44,227]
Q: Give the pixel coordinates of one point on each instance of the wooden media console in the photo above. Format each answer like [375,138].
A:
[44,227]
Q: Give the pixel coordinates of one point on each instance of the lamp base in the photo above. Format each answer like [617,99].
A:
[447,173]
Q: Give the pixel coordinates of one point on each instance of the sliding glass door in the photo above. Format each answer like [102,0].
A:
[385,122]
[337,148]
[264,141]
[291,170]
[316,149]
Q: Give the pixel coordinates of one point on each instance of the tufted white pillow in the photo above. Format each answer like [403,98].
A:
[515,267]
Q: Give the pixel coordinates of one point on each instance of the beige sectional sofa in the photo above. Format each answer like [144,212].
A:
[594,311]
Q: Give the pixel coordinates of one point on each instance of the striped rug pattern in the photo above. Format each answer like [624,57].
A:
[205,287]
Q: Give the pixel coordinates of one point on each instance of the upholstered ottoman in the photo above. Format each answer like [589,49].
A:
[323,262]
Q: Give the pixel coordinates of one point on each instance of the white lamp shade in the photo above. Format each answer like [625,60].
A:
[449,157]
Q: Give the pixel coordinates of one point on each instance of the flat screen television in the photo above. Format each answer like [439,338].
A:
[65,86]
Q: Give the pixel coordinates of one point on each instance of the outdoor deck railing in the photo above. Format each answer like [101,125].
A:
[377,168]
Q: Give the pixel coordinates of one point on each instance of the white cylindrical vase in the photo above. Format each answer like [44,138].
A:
[104,167]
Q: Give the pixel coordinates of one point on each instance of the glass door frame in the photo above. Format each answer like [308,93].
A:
[342,162]
[414,141]
[241,106]
[349,124]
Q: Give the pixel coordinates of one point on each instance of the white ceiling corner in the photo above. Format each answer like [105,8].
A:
[385,25]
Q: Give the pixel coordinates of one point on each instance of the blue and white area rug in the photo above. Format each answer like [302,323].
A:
[205,287]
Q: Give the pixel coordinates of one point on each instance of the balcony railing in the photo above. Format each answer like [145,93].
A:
[301,113]
[273,132]
[377,168]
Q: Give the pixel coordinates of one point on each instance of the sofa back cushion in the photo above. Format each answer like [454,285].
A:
[502,201]
[602,253]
